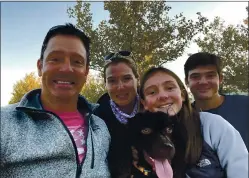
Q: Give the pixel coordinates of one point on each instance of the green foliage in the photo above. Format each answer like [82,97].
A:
[231,44]
[143,27]
[21,87]
[93,89]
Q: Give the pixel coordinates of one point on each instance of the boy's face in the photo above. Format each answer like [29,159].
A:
[204,82]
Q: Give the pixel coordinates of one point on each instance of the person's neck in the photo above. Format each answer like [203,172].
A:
[214,102]
[128,109]
[58,104]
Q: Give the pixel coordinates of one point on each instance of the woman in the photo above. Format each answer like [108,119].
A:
[206,144]
[120,103]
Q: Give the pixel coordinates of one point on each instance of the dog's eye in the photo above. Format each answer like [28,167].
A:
[169,130]
[146,131]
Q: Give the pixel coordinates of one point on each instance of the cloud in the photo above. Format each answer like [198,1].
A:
[232,12]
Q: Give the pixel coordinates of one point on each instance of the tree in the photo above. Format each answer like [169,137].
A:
[93,89]
[21,87]
[231,44]
[143,27]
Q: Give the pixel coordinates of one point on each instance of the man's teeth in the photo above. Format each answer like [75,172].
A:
[63,82]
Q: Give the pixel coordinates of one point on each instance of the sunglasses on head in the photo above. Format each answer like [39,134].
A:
[118,54]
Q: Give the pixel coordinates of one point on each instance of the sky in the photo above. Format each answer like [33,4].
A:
[25,24]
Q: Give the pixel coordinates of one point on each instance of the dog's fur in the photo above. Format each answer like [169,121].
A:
[151,132]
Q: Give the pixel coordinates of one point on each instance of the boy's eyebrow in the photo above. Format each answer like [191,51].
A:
[211,72]
[198,73]
[195,73]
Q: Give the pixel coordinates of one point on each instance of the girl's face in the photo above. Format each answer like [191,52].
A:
[162,93]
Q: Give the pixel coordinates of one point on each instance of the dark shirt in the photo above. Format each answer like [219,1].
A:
[208,165]
[119,156]
[235,109]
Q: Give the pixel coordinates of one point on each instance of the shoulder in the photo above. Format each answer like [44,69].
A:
[215,128]
[237,98]
[104,99]
[98,121]
[208,118]
[8,111]
[100,128]
[104,108]
[10,107]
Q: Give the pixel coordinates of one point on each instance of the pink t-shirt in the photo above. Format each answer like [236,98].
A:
[76,124]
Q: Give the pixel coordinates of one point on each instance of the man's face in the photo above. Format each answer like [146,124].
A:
[204,82]
[63,69]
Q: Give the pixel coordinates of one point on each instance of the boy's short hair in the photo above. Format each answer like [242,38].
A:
[202,59]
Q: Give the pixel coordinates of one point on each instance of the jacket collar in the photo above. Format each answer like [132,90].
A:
[31,100]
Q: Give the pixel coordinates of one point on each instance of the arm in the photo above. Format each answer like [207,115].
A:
[228,144]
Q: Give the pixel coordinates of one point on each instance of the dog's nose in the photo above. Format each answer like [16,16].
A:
[169,145]
[166,140]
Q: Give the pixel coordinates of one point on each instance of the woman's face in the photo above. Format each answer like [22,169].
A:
[162,93]
[121,84]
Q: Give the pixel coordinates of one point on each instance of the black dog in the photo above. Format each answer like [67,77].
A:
[151,132]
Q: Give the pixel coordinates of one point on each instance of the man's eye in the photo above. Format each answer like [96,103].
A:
[111,81]
[78,61]
[211,76]
[54,59]
[146,131]
[127,79]
[195,77]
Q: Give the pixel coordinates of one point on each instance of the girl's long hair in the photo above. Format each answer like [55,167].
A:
[186,135]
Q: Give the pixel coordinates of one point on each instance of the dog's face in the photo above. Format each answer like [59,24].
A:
[152,132]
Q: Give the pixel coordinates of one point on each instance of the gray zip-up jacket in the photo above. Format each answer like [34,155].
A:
[36,144]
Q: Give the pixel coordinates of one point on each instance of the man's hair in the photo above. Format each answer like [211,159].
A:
[67,29]
[202,59]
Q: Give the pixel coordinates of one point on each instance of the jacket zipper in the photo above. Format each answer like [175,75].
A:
[78,170]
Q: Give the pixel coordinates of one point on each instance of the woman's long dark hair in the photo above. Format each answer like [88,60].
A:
[187,135]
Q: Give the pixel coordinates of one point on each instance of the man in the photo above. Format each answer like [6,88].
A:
[52,131]
[203,76]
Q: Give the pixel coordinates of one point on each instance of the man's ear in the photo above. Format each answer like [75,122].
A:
[220,78]
[39,67]
[87,71]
